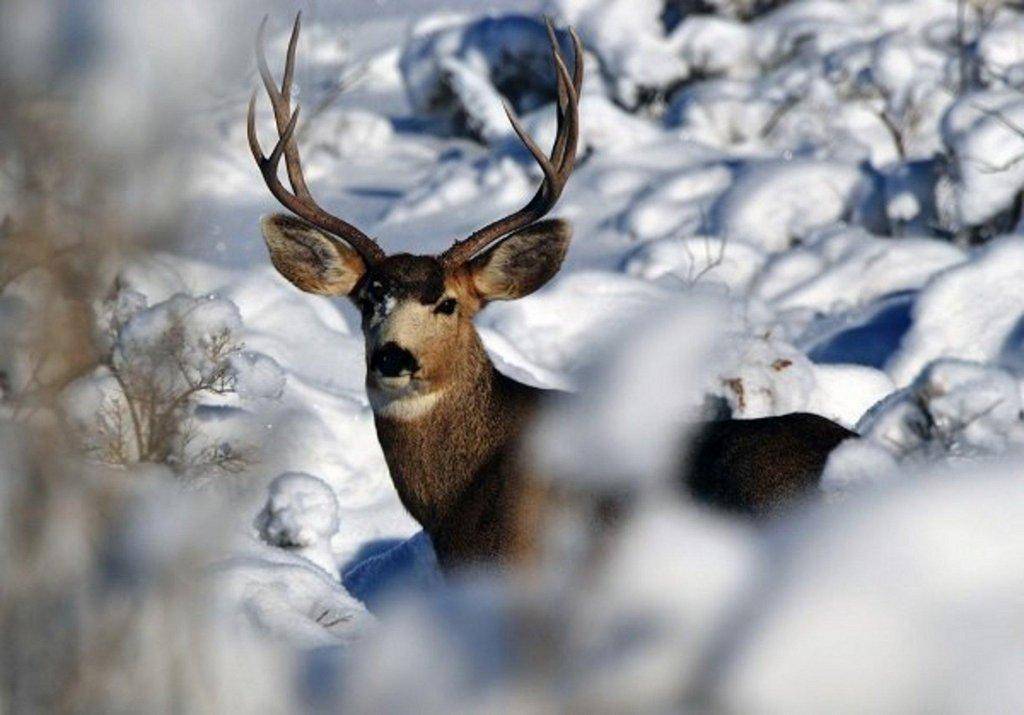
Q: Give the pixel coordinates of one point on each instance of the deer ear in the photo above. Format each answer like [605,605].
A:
[523,262]
[309,258]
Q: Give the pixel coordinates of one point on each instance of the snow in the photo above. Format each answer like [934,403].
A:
[969,311]
[301,514]
[623,425]
[793,209]
[777,204]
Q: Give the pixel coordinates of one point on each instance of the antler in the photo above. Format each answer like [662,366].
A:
[301,202]
[557,167]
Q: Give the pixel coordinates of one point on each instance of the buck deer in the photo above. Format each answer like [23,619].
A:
[448,422]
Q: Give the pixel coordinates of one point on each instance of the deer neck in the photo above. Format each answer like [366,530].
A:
[451,454]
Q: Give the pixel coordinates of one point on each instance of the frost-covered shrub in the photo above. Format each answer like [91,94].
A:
[762,376]
[953,409]
[161,363]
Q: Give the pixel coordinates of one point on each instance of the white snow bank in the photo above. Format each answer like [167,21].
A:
[969,311]
[774,205]
[671,580]
[906,600]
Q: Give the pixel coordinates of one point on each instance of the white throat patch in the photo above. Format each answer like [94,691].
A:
[404,407]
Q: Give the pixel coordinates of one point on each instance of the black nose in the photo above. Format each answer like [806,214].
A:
[391,360]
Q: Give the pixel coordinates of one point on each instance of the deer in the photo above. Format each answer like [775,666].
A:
[450,424]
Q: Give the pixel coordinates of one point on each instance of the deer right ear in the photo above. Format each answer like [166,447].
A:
[309,258]
[523,262]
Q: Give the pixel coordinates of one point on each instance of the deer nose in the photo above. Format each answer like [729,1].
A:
[392,360]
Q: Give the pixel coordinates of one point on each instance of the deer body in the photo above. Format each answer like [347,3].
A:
[448,422]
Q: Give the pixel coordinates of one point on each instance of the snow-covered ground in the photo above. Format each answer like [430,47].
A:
[802,211]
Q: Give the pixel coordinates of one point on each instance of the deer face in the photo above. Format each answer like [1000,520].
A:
[417,311]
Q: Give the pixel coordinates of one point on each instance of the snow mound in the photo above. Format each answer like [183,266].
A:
[281,594]
[636,58]
[857,464]
[774,205]
[716,47]
[983,133]
[457,73]
[763,376]
[676,205]
[845,267]
[639,394]
[970,311]
[301,514]
[548,337]
[682,262]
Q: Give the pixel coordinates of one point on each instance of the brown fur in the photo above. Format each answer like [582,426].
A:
[759,466]
[457,469]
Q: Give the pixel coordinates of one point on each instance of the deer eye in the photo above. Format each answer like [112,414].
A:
[446,306]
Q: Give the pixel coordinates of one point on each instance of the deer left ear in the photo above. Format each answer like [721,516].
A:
[309,258]
[523,262]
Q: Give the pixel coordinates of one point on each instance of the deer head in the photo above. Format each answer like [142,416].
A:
[417,310]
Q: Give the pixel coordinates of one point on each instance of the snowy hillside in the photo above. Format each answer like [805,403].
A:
[794,206]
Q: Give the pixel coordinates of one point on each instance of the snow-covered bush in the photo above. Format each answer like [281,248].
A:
[683,262]
[842,267]
[161,363]
[985,137]
[459,72]
[971,311]
[637,61]
[775,205]
[954,409]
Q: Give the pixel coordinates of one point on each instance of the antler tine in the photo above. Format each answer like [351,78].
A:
[557,167]
[558,152]
[280,100]
[301,202]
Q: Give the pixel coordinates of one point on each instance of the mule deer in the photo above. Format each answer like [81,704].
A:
[448,422]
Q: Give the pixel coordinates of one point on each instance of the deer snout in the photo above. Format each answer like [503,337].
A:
[392,360]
